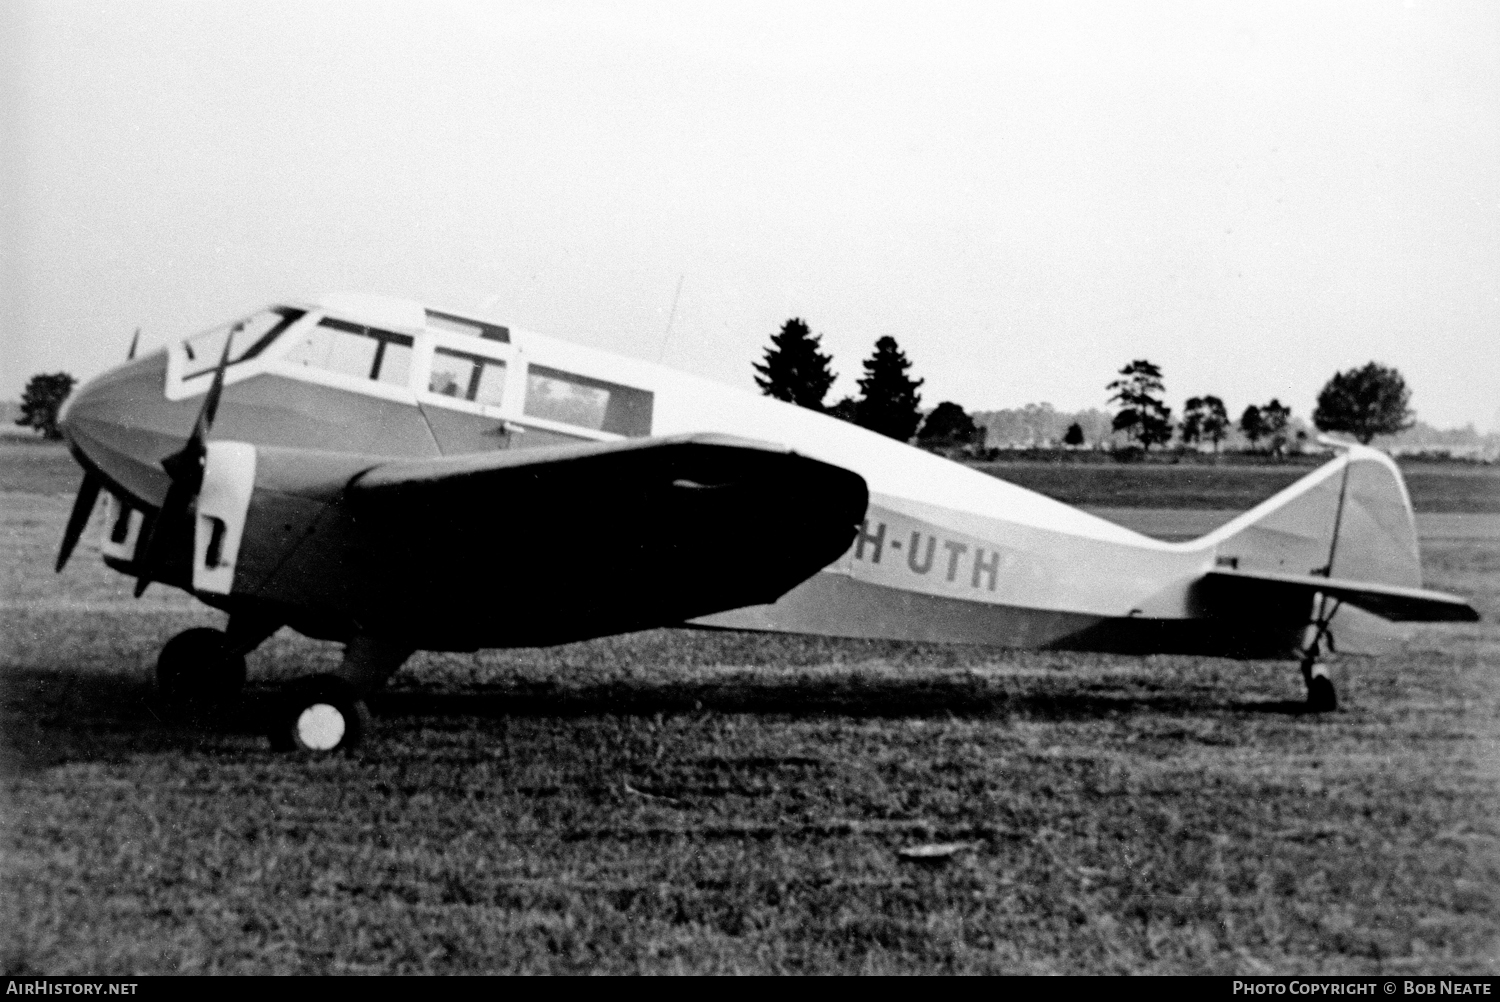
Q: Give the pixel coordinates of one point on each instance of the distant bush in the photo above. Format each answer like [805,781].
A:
[42,401]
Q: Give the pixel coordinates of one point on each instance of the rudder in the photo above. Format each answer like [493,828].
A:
[1351,518]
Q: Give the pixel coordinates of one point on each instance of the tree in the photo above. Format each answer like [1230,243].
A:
[845,409]
[794,370]
[42,400]
[888,399]
[949,425]
[1191,428]
[1251,425]
[1273,420]
[1204,418]
[1074,437]
[1142,414]
[1215,421]
[1365,402]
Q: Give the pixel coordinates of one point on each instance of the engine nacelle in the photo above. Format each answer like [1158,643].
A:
[219,525]
[123,532]
[268,526]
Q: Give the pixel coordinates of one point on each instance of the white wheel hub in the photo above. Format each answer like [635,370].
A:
[321,727]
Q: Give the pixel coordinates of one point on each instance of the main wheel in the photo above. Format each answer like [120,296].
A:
[320,715]
[196,668]
[1321,696]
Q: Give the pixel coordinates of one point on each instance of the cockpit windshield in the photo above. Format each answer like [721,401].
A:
[249,337]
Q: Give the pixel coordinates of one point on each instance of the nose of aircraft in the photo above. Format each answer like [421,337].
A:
[121,426]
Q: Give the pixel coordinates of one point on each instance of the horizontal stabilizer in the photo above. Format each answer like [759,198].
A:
[1394,602]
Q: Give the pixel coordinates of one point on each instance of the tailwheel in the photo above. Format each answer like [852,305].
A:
[197,669]
[320,715]
[1321,695]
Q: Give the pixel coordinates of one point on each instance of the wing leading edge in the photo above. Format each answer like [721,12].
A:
[542,545]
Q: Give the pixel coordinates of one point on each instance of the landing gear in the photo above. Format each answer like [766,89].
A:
[327,713]
[320,715]
[199,669]
[1321,696]
[204,669]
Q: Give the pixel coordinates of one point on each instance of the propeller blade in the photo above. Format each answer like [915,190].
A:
[142,543]
[174,509]
[185,467]
[215,390]
[83,507]
[147,549]
[134,342]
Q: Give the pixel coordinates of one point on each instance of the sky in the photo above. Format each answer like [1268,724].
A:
[1026,196]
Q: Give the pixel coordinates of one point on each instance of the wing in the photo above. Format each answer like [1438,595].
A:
[534,546]
[1393,602]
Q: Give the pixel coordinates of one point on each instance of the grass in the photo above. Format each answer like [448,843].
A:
[678,801]
[36,466]
[1434,487]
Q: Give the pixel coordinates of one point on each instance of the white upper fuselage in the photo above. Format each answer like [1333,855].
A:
[682,404]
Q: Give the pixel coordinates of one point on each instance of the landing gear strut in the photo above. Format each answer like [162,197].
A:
[1321,696]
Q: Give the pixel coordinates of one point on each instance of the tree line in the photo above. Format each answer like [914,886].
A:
[1146,419]
[1362,402]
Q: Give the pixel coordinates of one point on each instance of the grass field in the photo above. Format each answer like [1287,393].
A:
[1434,487]
[683,801]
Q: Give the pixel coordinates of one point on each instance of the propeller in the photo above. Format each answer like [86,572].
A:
[83,507]
[185,467]
[88,494]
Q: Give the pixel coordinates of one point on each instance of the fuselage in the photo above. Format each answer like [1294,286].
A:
[946,553]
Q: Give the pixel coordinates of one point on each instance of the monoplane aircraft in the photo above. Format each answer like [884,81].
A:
[396,478]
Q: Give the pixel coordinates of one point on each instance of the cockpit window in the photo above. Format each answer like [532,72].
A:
[249,337]
[355,350]
[586,402]
[467,377]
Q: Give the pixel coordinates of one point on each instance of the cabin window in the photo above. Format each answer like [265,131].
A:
[585,402]
[462,325]
[249,337]
[467,377]
[356,350]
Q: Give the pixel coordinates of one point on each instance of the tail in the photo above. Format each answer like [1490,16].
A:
[1351,518]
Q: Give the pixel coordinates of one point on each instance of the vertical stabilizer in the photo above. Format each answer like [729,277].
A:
[1351,518]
